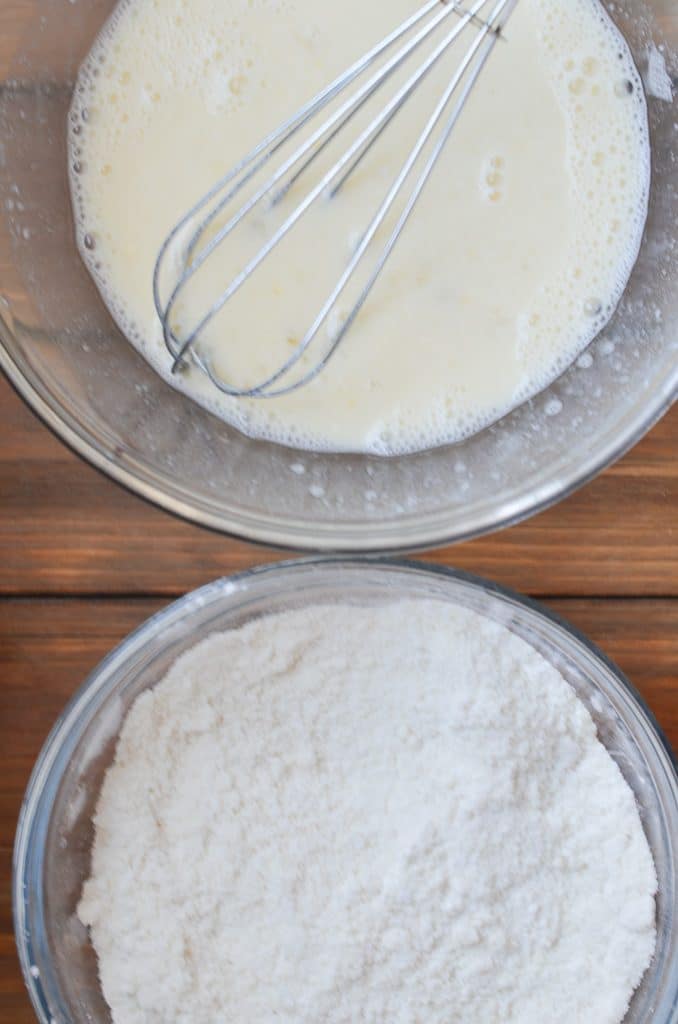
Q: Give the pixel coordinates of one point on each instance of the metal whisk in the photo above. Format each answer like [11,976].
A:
[486,20]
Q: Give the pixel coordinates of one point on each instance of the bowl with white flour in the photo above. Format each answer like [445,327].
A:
[521,337]
[338,790]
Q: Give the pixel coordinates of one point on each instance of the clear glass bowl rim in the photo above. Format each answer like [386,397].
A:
[394,538]
[53,757]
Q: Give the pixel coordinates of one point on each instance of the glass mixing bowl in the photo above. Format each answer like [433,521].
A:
[54,836]
[64,354]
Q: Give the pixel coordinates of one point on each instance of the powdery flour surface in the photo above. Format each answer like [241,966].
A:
[396,814]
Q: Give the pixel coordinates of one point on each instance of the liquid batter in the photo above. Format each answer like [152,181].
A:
[515,256]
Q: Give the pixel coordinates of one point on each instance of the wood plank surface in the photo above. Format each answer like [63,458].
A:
[65,528]
[47,647]
[82,562]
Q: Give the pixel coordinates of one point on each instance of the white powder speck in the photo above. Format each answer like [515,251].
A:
[392,814]
[657,79]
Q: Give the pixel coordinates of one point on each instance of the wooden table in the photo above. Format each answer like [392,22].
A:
[82,562]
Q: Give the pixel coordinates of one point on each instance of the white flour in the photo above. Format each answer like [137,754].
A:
[391,815]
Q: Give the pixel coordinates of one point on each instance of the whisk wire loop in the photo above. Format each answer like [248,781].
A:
[468,70]
[268,146]
[349,107]
[326,132]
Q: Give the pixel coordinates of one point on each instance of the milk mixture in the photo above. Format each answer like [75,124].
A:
[515,256]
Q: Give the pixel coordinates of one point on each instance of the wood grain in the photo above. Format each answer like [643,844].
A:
[64,528]
[47,647]
[608,555]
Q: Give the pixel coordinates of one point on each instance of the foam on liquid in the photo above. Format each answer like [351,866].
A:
[515,257]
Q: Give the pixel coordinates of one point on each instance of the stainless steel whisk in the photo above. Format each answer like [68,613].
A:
[487,19]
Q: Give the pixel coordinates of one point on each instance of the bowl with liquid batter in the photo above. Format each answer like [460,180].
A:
[435,422]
